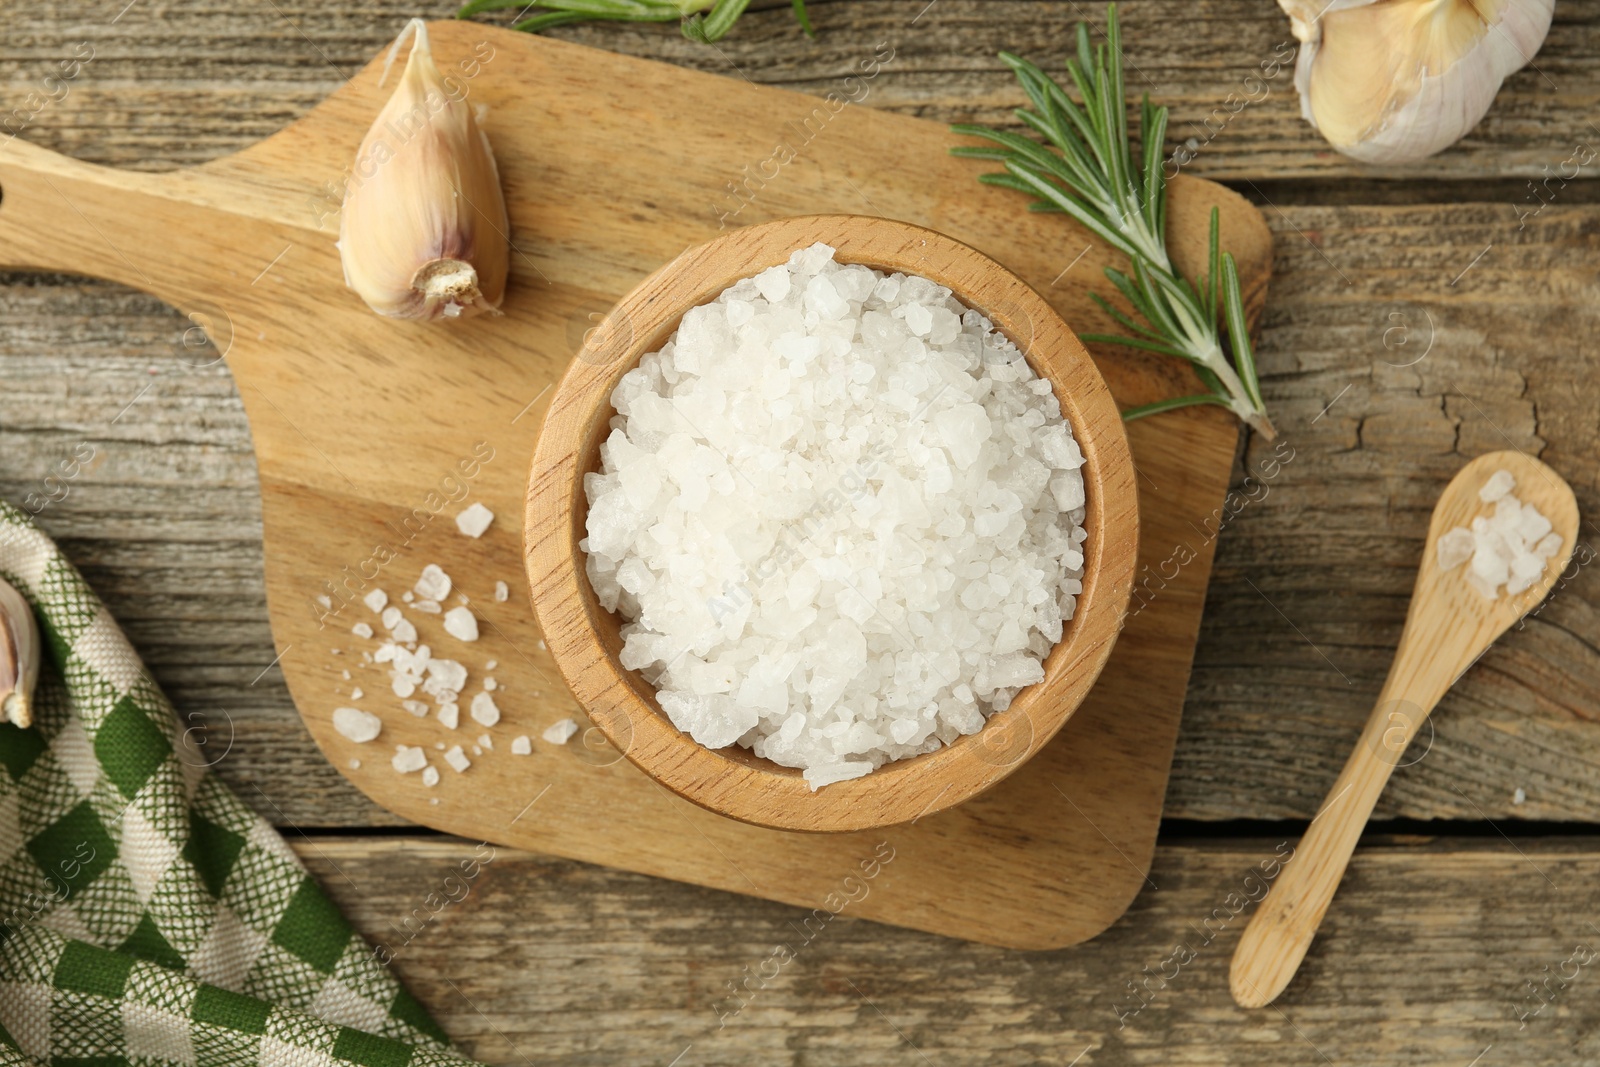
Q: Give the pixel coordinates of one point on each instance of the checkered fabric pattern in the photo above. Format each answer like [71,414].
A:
[147,917]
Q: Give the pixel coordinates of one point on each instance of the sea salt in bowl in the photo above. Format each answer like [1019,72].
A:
[586,640]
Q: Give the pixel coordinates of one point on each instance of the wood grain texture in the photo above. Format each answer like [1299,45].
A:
[371,434]
[585,641]
[168,525]
[1434,952]
[1449,625]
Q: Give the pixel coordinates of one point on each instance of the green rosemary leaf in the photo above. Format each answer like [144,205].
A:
[1106,306]
[1173,404]
[1007,180]
[1153,128]
[1085,53]
[1119,101]
[1214,280]
[479,6]
[1129,342]
[549,19]
[1238,328]
[802,16]
[979,152]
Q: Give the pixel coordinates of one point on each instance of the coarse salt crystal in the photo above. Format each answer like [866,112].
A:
[361,629]
[502,592]
[445,674]
[434,583]
[1455,548]
[375,600]
[391,617]
[460,624]
[485,741]
[408,758]
[356,693]
[457,759]
[404,632]
[520,745]
[474,520]
[490,684]
[415,707]
[561,732]
[449,716]
[484,711]
[357,725]
[827,774]
[355,765]
[427,607]
[1499,484]
[430,776]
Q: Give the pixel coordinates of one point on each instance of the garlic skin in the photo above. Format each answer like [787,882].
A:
[19,657]
[423,233]
[1395,81]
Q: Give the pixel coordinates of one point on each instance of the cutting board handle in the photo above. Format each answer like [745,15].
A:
[60,214]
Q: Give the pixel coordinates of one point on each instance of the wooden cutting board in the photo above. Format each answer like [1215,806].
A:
[370,435]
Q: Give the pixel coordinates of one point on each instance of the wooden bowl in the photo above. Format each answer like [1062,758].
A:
[584,638]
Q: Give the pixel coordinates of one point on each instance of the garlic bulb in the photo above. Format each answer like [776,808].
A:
[19,657]
[423,233]
[1394,81]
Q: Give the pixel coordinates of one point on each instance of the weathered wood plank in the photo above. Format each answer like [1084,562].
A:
[1425,958]
[171,84]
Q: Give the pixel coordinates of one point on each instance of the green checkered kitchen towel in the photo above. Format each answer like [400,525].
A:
[147,917]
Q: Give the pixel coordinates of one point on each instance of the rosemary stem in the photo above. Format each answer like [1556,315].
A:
[1239,398]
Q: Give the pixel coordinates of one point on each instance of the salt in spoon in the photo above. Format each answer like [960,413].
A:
[1449,626]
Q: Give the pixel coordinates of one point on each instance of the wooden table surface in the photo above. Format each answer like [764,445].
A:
[1418,317]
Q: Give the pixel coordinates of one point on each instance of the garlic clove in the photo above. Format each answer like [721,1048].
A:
[423,233]
[19,657]
[1395,81]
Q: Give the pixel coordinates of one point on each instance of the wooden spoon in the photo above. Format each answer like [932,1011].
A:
[1449,626]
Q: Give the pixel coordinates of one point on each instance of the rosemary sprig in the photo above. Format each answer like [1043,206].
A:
[702,20]
[1092,175]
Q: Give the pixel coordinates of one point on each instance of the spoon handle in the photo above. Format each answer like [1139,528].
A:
[1280,932]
